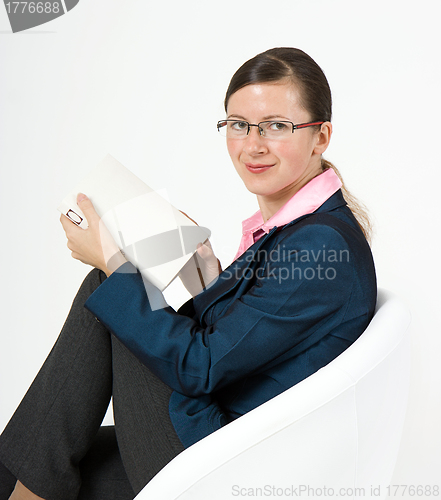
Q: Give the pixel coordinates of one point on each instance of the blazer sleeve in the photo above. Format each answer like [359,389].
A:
[301,295]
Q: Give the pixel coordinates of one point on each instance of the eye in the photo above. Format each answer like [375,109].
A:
[239,126]
[278,127]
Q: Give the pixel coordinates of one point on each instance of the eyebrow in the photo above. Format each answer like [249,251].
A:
[269,117]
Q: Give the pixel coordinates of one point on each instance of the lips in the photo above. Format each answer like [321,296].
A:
[257,168]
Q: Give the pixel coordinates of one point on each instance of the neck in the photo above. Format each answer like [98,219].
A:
[270,204]
[269,207]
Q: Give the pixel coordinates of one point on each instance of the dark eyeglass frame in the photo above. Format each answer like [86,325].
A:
[222,123]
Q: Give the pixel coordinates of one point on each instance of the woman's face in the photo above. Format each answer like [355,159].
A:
[275,170]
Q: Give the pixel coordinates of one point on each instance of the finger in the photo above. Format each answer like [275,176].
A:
[75,255]
[69,226]
[62,217]
[200,248]
[66,223]
[87,207]
[205,251]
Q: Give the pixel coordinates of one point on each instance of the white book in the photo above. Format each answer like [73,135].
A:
[154,236]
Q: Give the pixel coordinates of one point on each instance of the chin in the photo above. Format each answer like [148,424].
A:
[259,190]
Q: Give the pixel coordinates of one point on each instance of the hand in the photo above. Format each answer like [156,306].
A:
[202,269]
[208,262]
[94,245]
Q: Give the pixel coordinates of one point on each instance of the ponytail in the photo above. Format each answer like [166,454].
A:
[357,208]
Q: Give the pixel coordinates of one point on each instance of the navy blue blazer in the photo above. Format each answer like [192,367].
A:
[289,305]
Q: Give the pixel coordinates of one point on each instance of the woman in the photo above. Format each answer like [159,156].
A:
[301,289]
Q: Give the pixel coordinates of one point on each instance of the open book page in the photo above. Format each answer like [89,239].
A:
[156,237]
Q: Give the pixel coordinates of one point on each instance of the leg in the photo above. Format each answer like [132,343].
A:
[54,425]
[147,440]
[102,472]
[7,482]
[146,437]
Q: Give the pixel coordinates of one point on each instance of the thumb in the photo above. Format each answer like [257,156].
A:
[205,251]
[211,263]
[86,206]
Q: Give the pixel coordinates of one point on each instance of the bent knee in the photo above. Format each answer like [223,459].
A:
[93,280]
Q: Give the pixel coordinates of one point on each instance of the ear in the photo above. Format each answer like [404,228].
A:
[323,138]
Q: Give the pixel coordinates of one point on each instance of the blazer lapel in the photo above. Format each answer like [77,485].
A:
[237,271]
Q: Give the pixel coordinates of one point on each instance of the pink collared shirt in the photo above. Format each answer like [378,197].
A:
[305,201]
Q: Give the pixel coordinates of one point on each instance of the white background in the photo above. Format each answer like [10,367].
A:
[145,82]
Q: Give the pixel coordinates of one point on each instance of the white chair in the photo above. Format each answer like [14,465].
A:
[338,429]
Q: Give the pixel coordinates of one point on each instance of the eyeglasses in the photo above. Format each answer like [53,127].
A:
[239,129]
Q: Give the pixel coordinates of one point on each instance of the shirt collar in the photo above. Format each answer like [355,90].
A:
[308,199]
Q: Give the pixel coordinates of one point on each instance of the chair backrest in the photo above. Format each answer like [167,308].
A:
[339,429]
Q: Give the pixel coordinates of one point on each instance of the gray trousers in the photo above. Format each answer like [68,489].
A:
[54,444]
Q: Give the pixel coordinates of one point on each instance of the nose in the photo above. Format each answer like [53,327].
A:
[254,143]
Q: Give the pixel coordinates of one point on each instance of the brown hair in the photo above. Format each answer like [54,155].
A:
[284,63]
